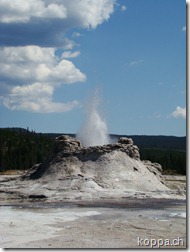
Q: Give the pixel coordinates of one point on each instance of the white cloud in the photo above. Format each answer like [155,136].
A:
[36,97]
[89,13]
[33,90]
[21,54]
[36,64]
[36,72]
[184,28]
[76,34]
[30,33]
[67,73]
[39,105]
[179,113]
[85,13]
[46,22]
[135,62]
[123,8]
[69,54]
[22,11]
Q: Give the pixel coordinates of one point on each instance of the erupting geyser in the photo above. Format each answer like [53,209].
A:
[94,130]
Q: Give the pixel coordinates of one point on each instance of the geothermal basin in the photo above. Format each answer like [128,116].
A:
[92,197]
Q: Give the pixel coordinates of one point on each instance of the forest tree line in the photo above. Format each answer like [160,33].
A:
[20,149]
[172,161]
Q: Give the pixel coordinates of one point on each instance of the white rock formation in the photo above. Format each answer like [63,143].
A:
[73,168]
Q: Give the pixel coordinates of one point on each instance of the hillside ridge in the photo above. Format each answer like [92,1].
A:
[21,148]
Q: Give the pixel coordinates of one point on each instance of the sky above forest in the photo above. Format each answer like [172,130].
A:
[54,53]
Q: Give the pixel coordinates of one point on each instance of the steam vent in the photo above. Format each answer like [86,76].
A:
[111,169]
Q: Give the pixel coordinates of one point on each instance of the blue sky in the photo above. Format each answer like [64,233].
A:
[54,53]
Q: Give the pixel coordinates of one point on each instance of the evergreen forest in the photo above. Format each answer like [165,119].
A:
[20,149]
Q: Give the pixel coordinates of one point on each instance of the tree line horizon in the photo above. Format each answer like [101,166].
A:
[21,148]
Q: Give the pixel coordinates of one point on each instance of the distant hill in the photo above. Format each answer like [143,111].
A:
[21,148]
[144,141]
[166,142]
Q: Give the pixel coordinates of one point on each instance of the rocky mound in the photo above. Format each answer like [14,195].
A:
[117,166]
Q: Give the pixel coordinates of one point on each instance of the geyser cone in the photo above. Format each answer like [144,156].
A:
[73,170]
[94,130]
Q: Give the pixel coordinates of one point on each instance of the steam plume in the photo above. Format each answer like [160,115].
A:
[94,130]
